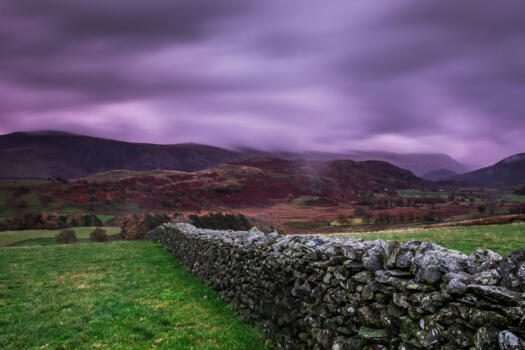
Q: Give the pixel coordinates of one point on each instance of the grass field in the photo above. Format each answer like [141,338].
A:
[10,237]
[502,239]
[106,218]
[117,295]
[419,193]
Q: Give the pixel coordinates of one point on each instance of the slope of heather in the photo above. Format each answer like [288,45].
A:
[253,183]
[509,171]
[44,154]
[264,181]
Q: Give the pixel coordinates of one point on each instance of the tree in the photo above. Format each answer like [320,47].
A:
[359,212]
[98,235]
[67,236]
[520,191]
[342,219]
[367,217]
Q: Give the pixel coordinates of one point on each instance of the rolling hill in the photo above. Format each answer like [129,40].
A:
[45,154]
[252,183]
[509,171]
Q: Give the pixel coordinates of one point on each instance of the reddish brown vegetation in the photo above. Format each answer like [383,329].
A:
[136,227]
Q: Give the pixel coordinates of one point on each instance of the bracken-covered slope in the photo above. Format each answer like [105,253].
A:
[252,183]
[509,171]
[264,181]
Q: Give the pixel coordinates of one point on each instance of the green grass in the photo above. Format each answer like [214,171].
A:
[513,198]
[419,193]
[307,225]
[502,239]
[18,183]
[118,295]
[118,174]
[105,218]
[39,241]
[10,237]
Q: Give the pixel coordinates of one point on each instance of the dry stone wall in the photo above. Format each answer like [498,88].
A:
[309,292]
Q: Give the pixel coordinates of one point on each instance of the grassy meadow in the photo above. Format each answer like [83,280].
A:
[117,295]
[11,237]
[502,239]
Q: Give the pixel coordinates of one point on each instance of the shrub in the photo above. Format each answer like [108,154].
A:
[67,236]
[21,191]
[50,225]
[22,204]
[98,235]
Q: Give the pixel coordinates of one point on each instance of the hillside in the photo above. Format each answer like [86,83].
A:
[439,175]
[264,181]
[45,154]
[509,171]
[257,182]
[58,154]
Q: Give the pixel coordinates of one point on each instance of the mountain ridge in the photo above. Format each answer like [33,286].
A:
[508,171]
[50,153]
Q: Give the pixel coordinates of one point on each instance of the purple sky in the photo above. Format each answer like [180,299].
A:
[403,76]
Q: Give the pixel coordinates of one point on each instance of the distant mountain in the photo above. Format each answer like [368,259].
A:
[53,154]
[509,171]
[439,175]
[418,163]
[44,154]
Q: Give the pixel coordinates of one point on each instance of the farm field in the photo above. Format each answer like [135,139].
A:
[11,237]
[116,295]
[502,239]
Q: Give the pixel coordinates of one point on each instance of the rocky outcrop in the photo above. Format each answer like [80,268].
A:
[310,292]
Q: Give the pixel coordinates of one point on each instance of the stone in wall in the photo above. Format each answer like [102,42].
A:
[308,292]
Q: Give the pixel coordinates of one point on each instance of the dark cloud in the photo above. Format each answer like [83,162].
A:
[441,76]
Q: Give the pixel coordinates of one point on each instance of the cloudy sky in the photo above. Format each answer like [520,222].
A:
[404,76]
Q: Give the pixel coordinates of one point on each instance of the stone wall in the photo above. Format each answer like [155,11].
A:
[309,292]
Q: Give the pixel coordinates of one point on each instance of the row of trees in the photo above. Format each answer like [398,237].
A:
[220,221]
[401,202]
[32,221]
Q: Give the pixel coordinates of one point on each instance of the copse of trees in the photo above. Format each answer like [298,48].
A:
[135,227]
[220,221]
